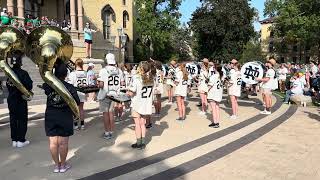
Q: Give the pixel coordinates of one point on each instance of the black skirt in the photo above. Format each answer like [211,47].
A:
[58,122]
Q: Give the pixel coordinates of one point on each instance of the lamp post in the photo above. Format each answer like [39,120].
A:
[113,42]
[122,43]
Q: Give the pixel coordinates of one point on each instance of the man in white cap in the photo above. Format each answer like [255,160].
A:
[109,80]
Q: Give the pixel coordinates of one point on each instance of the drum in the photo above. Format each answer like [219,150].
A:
[252,70]
[192,68]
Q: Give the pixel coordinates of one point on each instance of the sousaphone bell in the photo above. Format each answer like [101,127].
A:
[44,46]
[11,39]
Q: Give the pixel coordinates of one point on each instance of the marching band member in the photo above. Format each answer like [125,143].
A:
[109,79]
[91,81]
[234,87]
[153,71]
[267,85]
[59,120]
[170,81]
[158,91]
[78,78]
[203,87]
[215,95]
[118,106]
[181,81]
[17,105]
[141,91]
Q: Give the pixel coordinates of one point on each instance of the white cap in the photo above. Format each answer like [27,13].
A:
[4,8]
[110,59]
[91,65]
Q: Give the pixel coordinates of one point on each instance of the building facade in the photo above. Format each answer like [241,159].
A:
[110,18]
[283,52]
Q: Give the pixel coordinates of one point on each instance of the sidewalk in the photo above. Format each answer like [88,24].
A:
[279,146]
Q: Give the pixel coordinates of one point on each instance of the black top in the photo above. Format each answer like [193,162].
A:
[59,116]
[55,101]
[25,79]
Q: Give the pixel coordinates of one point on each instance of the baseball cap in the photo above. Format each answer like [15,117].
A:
[110,59]
[90,64]
[272,61]
[4,9]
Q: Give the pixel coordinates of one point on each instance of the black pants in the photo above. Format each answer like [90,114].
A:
[18,110]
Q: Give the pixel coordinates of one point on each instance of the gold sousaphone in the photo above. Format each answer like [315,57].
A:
[11,39]
[44,46]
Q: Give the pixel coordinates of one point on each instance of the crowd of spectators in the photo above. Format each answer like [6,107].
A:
[30,22]
[299,79]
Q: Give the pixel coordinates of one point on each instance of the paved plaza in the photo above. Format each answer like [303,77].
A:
[284,145]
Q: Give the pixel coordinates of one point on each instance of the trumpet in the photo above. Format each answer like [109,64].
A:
[44,46]
[11,39]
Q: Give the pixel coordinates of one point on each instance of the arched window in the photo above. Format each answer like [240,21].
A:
[107,15]
[125,19]
[124,2]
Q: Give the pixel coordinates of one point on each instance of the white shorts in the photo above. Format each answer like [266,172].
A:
[203,88]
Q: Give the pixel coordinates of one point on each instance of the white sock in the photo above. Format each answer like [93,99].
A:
[106,133]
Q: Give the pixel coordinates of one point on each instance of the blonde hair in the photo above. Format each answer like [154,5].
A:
[184,71]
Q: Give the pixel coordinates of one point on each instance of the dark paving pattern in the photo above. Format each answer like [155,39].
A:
[135,165]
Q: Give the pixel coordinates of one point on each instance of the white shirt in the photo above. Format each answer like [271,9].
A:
[142,101]
[78,78]
[182,85]
[269,84]
[297,86]
[283,73]
[314,70]
[112,78]
[235,81]
[127,78]
[215,88]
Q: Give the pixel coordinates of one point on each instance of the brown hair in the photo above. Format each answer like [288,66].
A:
[158,64]
[219,70]
[206,65]
[128,67]
[184,71]
[79,63]
[144,69]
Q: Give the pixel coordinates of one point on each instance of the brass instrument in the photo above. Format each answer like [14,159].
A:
[12,39]
[44,45]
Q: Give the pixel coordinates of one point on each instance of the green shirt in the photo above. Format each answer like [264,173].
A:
[5,20]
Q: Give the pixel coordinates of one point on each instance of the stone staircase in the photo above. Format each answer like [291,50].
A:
[39,96]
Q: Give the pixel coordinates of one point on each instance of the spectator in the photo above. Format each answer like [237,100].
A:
[88,39]
[283,71]
[4,12]
[296,89]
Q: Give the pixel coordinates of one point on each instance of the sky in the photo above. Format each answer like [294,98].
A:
[189,6]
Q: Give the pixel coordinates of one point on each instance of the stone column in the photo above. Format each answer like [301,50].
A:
[80,16]
[20,5]
[73,15]
[10,6]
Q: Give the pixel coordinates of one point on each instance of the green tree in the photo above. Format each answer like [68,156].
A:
[252,51]
[295,21]
[222,28]
[155,22]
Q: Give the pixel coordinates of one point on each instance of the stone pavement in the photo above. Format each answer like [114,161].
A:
[284,145]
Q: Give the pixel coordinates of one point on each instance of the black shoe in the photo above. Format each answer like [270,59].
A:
[142,146]
[149,126]
[135,146]
[216,125]
[254,94]
[179,119]
[212,124]
[199,105]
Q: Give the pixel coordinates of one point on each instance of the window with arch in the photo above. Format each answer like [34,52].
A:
[107,15]
[125,19]
[124,2]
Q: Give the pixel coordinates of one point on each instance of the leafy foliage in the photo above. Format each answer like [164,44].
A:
[222,28]
[252,51]
[295,21]
[155,23]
